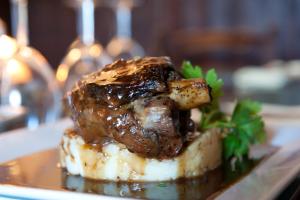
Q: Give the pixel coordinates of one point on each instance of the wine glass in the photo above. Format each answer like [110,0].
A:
[85,55]
[27,79]
[122,45]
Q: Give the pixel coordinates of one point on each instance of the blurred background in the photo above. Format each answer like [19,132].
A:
[267,29]
[254,45]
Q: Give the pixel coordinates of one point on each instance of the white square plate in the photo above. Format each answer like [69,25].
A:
[264,182]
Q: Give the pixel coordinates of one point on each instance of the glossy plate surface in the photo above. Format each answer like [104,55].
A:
[38,177]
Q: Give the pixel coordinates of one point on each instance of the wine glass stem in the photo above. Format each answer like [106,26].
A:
[85,20]
[20,21]
[2,27]
[123,18]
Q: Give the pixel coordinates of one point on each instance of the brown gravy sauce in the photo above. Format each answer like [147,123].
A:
[40,170]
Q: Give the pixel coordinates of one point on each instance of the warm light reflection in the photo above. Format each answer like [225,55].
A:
[62,73]
[74,55]
[116,46]
[95,50]
[26,52]
[63,70]
[8,46]
[17,72]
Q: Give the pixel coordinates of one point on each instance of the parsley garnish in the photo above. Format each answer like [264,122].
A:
[189,71]
[243,128]
[210,113]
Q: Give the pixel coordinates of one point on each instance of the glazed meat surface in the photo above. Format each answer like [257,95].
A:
[142,103]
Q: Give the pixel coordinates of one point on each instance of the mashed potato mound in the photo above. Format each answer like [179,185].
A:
[114,162]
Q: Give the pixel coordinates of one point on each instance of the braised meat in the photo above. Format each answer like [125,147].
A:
[141,103]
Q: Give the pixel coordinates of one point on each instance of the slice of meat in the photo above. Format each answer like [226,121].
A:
[143,104]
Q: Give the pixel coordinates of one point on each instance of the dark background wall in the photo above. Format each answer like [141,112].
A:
[52,23]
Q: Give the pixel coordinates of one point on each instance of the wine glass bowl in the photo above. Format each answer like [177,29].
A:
[81,59]
[124,47]
[85,55]
[27,80]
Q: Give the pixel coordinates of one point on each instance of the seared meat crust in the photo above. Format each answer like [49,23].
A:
[140,103]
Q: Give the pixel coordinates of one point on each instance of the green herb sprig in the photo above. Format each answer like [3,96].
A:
[242,129]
